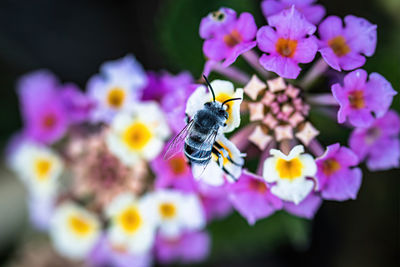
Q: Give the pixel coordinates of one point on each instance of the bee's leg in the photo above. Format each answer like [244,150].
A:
[226,154]
[218,154]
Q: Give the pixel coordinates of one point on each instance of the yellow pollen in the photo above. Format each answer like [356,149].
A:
[42,168]
[289,169]
[137,136]
[339,46]
[130,220]
[116,97]
[224,159]
[330,166]
[221,98]
[80,226]
[356,99]
[233,38]
[178,165]
[167,210]
[286,47]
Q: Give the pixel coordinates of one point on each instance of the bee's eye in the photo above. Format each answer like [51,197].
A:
[207,104]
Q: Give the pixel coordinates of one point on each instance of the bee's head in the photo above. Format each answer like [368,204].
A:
[217,108]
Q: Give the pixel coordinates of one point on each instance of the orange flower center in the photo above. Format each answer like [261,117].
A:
[49,121]
[233,38]
[330,166]
[339,46]
[356,99]
[286,47]
[178,165]
[258,186]
[167,210]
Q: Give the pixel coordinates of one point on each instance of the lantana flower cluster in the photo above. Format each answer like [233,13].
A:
[93,160]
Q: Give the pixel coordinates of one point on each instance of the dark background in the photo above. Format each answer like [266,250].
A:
[72,38]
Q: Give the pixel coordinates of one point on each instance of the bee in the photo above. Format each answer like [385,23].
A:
[197,139]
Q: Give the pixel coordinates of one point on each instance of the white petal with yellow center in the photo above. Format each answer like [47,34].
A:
[138,134]
[132,224]
[177,212]
[290,172]
[223,90]
[38,166]
[74,231]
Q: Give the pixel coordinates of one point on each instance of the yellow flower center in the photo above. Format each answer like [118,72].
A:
[167,210]
[339,46]
[42,168]
[137,136]
[330,166]
[289,169]
[286,47]
[178,165]
[80,226]
[356,99]
[116,97]
[221,98]
[130,220]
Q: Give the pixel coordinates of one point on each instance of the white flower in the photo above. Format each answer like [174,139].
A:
[74,231]
[290,172]
[223,90]
[138,134]
[177,212]
[39,168]
[226,168]
[116,88]
[133,225]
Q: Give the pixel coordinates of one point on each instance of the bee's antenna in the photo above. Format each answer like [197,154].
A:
[232,99]
[209,85]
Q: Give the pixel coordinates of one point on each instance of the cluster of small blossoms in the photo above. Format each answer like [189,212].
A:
[93,162]
[294,171]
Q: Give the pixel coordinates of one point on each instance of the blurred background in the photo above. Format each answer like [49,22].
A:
[72,38]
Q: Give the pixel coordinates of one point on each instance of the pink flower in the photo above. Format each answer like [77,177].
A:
[287,41]
[336,179]
[227,39]
[378,144]
[252,198]
[342,48]
[306,208]
[359,98]
[313,13]
[190,247]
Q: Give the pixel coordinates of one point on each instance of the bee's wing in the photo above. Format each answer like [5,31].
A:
[176,145]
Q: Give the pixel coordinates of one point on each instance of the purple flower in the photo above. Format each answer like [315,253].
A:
[252,198]
[378,144]
[104,255]
[41,210]
[313,13]
[174,172]
[215,202]
[43,112]
[232,38]
[116,88]
[190,247]
[76,103]
[287,42]
[217,22]
[336,179]
[358,99]
[172,92]
[342,48]
[306,208]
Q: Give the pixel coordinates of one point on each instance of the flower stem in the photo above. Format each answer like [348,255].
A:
[265,154]
[322,100]
[316,148]
[285,146]
[252,58]
[232,73]
[316,70]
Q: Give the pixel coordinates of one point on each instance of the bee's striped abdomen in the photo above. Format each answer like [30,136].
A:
[198,156]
